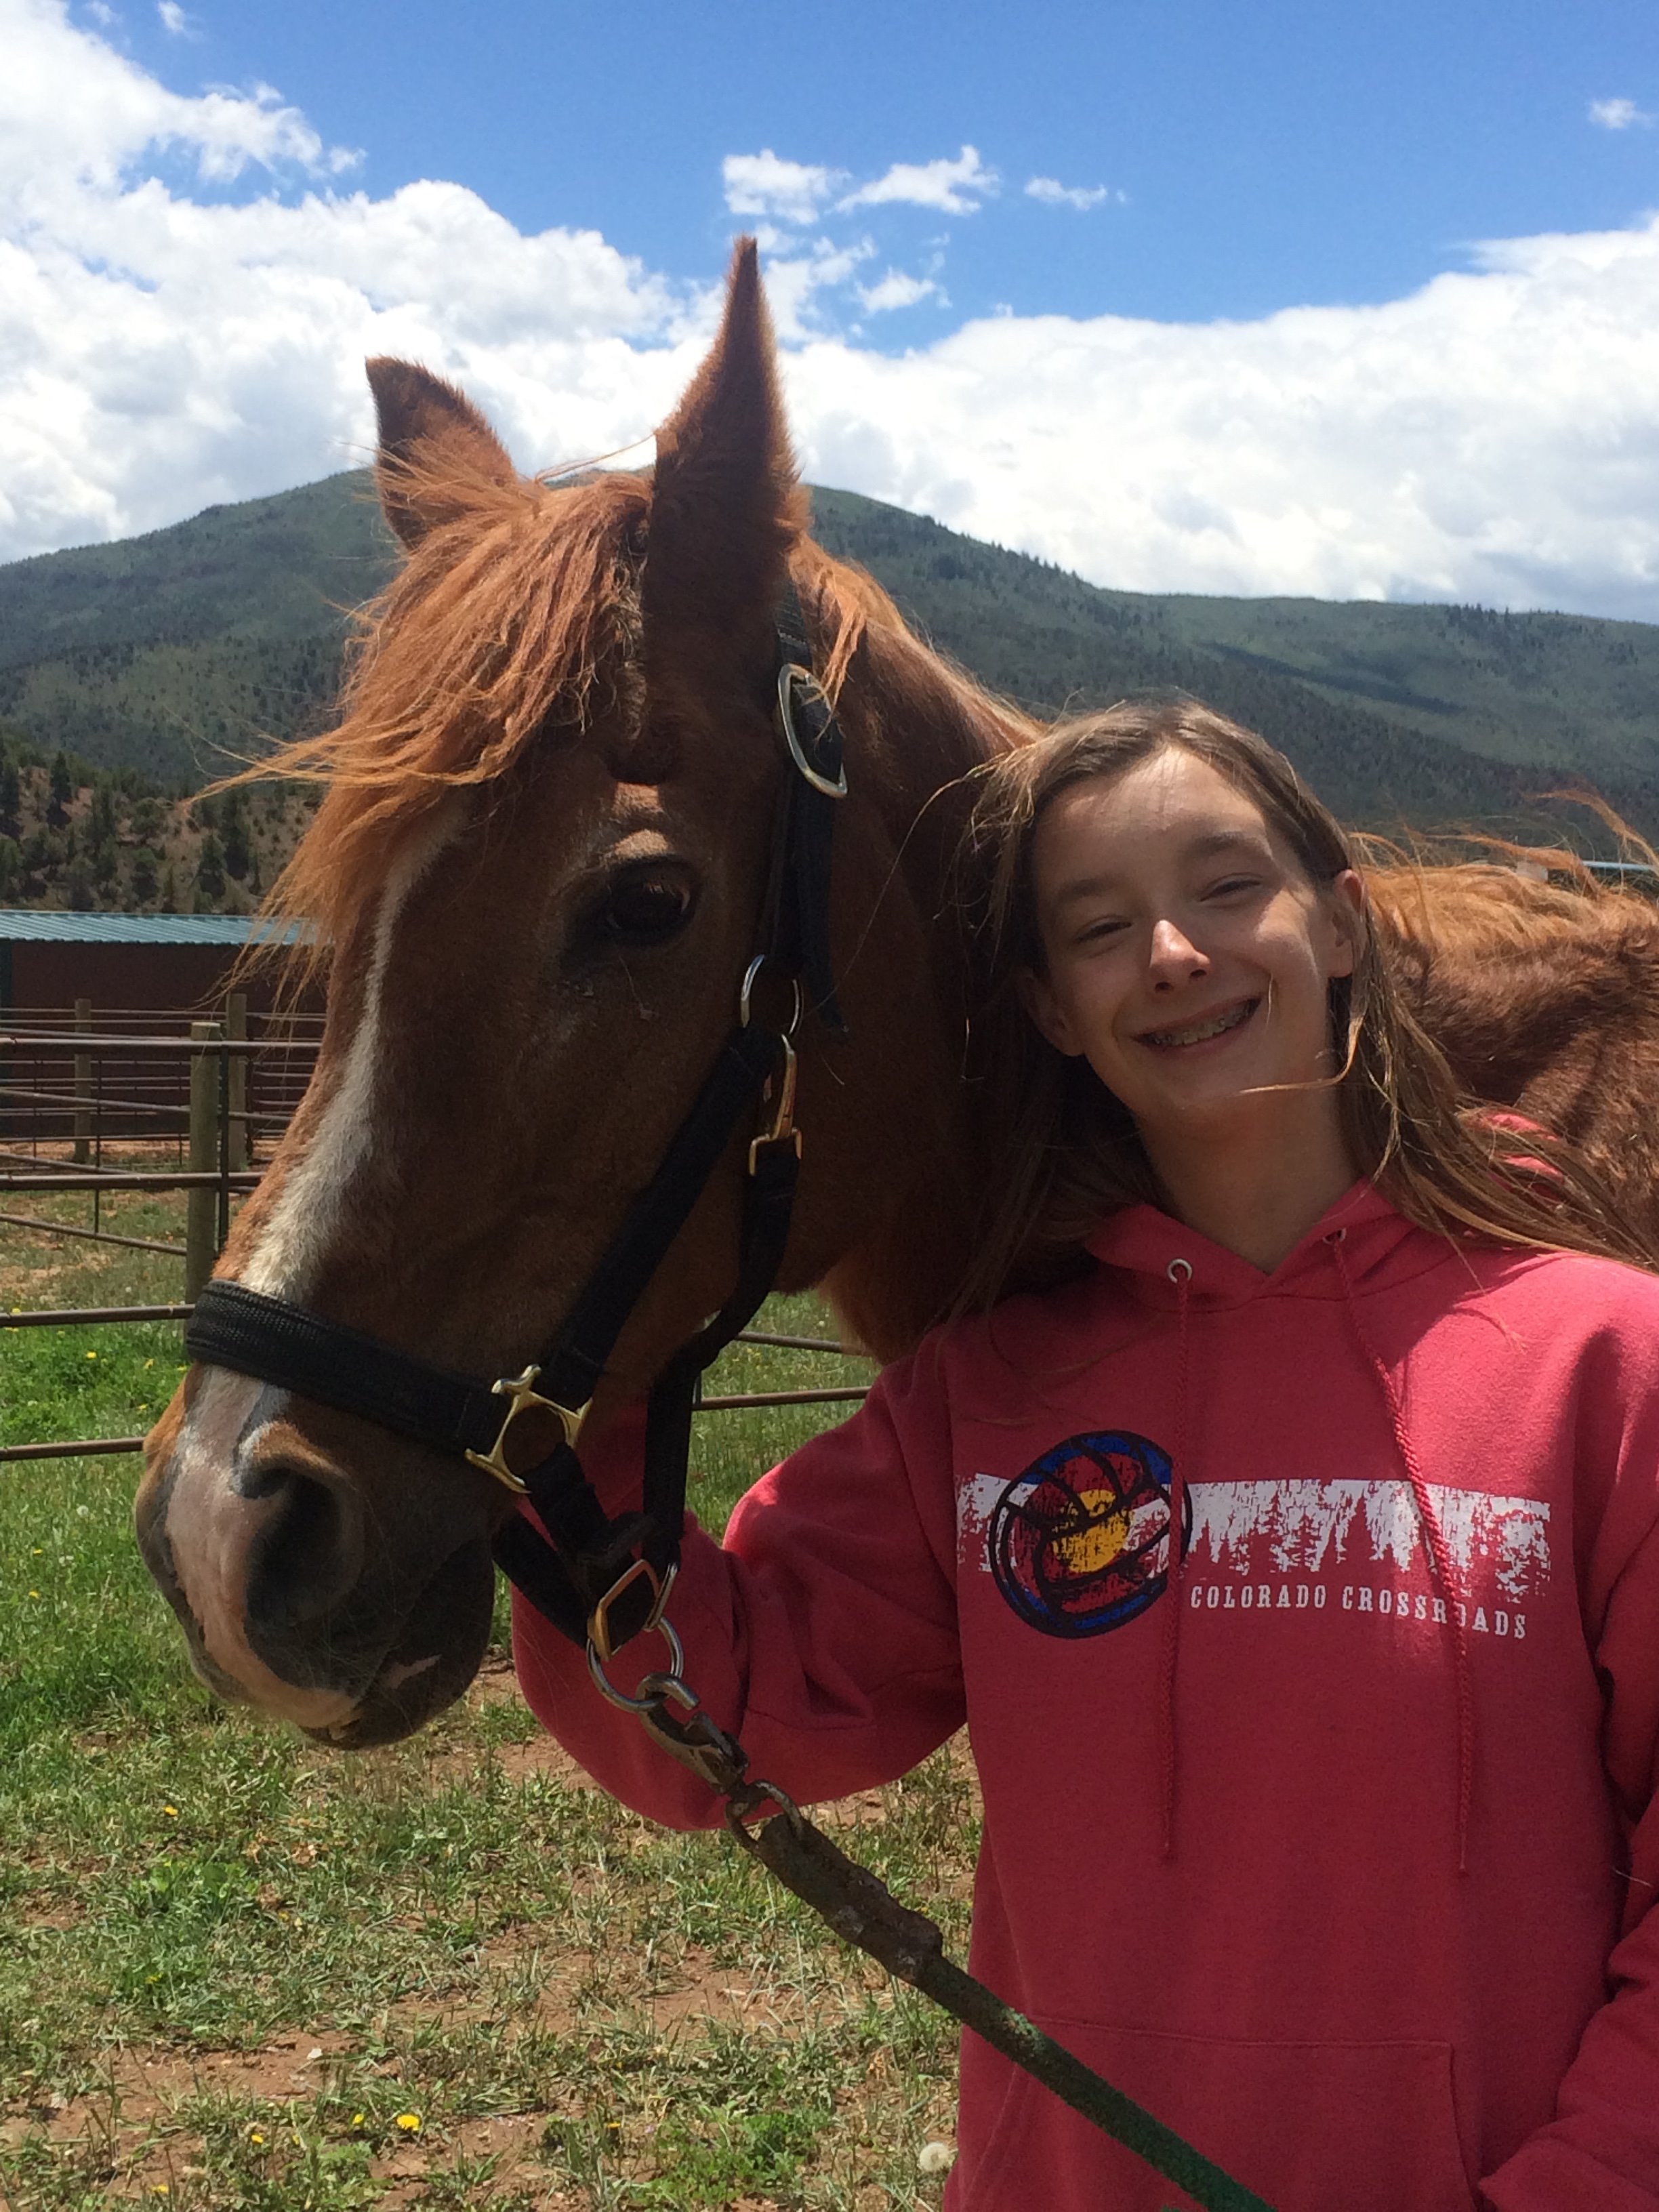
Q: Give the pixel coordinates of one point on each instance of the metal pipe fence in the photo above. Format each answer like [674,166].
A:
[218,1100]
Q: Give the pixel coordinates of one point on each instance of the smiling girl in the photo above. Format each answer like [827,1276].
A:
[1292,1558]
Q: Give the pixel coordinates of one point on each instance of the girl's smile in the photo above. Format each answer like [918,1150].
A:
[1207,1030]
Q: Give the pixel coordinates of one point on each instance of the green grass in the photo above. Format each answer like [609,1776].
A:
[520,1995]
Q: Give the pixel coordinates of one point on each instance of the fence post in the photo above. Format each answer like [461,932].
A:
[82,1086]
[238,1145]
[201,1206]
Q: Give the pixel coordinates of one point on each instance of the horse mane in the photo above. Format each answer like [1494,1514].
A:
[502,624]
[1475,910]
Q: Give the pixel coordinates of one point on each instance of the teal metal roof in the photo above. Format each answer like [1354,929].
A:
[45,925]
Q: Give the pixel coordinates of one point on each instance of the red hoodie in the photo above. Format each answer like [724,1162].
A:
[1338,1859]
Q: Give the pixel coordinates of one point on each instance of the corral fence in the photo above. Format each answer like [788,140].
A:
[96,1101]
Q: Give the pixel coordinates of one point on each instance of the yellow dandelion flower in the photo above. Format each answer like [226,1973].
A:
[171,1812]
[92,1355]
[357,2119]
[35,1593]
[256,2136]
[408,2124]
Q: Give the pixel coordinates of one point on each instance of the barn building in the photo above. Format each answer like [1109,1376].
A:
[132,978]
[132,962]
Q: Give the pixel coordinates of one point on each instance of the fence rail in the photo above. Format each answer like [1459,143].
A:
[202,1100]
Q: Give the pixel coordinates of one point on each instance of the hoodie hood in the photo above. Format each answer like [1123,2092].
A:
[1380,1247]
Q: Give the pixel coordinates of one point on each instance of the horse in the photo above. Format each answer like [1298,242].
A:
[542,848]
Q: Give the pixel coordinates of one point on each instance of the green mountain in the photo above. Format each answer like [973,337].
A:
[180,652]
[187,651]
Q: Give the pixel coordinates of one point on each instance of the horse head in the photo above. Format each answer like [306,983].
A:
[537,868]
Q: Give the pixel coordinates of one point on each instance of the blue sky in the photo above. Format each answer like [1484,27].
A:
[1270,299]
[1272,154]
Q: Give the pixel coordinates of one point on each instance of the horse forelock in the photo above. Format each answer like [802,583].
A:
[511,622]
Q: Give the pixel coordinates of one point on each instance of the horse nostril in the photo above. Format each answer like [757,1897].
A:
[310,1553]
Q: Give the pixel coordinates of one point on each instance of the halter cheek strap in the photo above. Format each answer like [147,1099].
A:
[593,1577]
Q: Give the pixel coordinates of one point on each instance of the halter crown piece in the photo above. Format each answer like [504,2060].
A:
[599,1579]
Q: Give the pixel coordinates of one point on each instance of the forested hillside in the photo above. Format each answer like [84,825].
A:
[76,836]
[152,666]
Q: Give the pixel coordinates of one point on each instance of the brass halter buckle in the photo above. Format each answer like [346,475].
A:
[525,1399]
[781,1130]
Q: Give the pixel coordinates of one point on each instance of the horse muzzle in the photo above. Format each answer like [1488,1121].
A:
[321,1582]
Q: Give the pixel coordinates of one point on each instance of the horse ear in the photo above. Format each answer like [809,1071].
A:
[434,443]
[727,504]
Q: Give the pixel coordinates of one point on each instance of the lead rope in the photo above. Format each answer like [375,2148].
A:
[864,1911]
[1435,1537]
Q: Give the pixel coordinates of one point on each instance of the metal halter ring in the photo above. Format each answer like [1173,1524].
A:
[752,976]
[656,1685]
[789,675]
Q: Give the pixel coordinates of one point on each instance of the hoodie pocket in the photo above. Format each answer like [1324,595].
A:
[1310,2127]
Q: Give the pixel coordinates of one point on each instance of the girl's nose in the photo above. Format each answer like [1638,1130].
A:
[1173,958]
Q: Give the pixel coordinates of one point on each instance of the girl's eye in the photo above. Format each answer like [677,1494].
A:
[641,910]
[1229,884]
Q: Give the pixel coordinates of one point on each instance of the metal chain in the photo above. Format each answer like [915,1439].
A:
[864,1911]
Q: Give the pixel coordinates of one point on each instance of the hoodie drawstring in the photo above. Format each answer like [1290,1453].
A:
[1179,1273]
[1435,1537]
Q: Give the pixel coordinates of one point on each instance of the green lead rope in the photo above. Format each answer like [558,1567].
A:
[860,1908]
[863,1911]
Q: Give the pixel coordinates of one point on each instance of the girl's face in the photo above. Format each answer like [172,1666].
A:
[1187,957]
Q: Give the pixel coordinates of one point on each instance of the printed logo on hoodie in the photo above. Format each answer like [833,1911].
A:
[1080,1543]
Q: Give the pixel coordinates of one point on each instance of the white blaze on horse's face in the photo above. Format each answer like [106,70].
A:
[296,1237]
[223,1503]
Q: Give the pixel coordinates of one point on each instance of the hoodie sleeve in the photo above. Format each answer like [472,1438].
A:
[1601,2152]
[823,1632]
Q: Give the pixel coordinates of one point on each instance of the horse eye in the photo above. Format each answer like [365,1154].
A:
[646,910]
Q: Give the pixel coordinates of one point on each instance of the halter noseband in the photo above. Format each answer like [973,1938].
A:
[595,1577]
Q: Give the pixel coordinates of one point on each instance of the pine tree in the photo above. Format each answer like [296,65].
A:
[233,822]
[211,872]
[146,875]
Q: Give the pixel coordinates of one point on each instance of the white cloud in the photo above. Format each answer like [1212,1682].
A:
[173,18]
[1618,115]
[764,183]
[1052,193]
[797,273]
[163,350]
[952,187]
[1494,436]
[896,289]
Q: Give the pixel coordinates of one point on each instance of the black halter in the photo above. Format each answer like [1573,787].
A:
[600,1578]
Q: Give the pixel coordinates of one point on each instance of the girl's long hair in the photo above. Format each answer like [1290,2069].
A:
[1066,1154]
